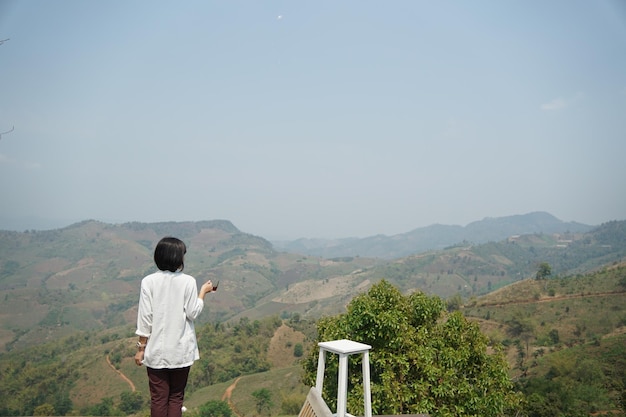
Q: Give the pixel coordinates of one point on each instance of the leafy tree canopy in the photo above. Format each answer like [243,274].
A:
[422,360]
[215,408]
[263,399]
[543,271]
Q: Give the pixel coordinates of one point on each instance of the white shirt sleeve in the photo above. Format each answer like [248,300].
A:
[144,312]
[193,304]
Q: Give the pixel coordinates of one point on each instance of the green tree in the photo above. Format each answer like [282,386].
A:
[130,402]
[523,328]
[298,350]
[215,408]
[44,410]
[295,318]
[554,336]
[104,408]
[62,404]
[292,404]
[455,302]
[543,271]
[263,398]
[423,360]
[577,389]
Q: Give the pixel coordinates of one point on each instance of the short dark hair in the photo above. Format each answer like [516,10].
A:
[169,254]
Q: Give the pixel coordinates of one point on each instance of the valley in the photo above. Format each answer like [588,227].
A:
[69,304]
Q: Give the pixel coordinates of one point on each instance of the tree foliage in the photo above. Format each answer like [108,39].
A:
[292,404]
[586,380]
[215,408]
[263,399]
[243,348]
[130,402]
[543,271]
[422,360]
[44,410]
[298,350]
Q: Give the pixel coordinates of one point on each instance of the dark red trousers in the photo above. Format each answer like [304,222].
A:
[167,391]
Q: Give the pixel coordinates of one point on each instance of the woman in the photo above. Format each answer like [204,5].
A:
[169,302]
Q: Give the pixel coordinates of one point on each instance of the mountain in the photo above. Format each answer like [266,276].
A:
[86,277]
[465,270]
[433,237]
[69,301]
[561,336]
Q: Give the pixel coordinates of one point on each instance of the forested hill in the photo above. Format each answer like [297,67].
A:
[437,236]
[86,276]
[82,282]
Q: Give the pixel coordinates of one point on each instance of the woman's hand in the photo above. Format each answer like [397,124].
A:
[139,357]
[206,288]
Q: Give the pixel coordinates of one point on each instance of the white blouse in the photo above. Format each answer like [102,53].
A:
[168,305]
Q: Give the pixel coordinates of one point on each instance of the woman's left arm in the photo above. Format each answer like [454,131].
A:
[141,348]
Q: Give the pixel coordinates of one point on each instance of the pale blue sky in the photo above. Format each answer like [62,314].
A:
[311,119]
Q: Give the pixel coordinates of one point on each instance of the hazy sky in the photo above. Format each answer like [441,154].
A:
[311,118]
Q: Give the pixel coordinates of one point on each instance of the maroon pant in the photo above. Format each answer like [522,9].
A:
[167,391]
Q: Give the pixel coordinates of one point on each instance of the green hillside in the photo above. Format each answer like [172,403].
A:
[566,339]
[86,276]
[69,299]
[556,330]
[580,307]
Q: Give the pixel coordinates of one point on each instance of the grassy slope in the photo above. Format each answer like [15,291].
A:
[580,308]
[583,309]
[86,276]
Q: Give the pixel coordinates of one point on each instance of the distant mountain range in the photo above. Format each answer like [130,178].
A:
[69,296]
[434,237]
[86,276]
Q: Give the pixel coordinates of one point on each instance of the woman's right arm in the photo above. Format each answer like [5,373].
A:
[206,288]
[195,299]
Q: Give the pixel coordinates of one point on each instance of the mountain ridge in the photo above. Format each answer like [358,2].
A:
[86,276]
[433,237]
[70,296]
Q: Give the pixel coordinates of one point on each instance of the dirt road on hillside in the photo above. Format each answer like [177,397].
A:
[227,395]
[551,299]
[124,377]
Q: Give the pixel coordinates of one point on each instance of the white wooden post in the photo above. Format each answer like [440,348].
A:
[321,363]
[367,396]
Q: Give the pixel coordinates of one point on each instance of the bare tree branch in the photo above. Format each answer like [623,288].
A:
[8,131]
